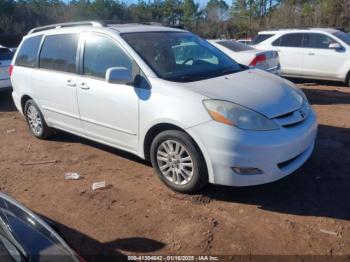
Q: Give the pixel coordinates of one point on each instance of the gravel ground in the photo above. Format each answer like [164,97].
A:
[307,213]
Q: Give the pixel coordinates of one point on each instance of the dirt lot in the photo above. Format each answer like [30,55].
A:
[137,214]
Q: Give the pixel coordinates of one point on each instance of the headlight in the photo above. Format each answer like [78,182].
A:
[235,115]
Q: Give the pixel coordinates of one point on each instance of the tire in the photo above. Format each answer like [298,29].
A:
[178,162]
[35,121]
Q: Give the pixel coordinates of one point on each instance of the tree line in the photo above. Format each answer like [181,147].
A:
[243,18]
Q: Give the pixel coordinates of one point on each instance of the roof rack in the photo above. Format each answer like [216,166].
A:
[70,24]
[289,28]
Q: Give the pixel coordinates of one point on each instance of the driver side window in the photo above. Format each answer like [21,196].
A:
[102,53]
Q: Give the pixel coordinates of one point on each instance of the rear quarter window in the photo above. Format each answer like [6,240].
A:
[260,38]
[59,52]
[27,54]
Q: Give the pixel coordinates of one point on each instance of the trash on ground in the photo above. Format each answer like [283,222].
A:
[98,185]
[10,131]
[328,232]
[71,176]
[39,162]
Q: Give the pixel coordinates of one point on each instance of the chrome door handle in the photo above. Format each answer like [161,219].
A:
[84,86]
[70,82]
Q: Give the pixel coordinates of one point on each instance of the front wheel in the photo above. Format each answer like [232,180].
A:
[178,162]
[36,121]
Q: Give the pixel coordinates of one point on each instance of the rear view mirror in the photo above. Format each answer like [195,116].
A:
[335,46]
[119,75]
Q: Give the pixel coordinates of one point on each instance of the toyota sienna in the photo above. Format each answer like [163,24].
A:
[167,96]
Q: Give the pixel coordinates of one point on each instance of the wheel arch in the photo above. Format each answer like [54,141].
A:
[24,100]
[347,78]
[160,127]
[153,132]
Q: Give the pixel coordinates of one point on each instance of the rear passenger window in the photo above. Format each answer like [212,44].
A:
[28,52]
[318,41]
[100,54]
[260,38]
[289,40]
[59,53]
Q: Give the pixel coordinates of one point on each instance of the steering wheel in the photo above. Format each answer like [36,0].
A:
[187,60]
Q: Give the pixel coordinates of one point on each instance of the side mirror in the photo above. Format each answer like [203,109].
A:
[335,46]
[119,75]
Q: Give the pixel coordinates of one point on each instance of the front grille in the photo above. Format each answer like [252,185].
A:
[292,119]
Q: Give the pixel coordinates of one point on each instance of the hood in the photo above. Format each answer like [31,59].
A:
[255,89]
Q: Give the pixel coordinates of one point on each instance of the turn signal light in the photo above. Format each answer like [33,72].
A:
[247,171]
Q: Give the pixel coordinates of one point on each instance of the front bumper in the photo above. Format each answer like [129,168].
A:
[276,153]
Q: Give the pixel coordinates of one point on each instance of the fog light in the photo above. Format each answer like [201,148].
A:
[247,171]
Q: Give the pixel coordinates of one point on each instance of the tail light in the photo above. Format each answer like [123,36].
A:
[258,60]
[10,69]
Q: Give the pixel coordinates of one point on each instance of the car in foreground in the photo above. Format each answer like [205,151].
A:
[194,112]
[6,56]
[249,56]
[24,236]
[310,53]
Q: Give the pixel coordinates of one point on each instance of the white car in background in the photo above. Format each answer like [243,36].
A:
[249,56]
[244,41]
[5,62]
[314,53]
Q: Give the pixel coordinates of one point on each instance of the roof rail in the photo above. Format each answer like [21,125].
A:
[70,24]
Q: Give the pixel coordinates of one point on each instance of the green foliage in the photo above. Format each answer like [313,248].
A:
[190,12]
[243,18]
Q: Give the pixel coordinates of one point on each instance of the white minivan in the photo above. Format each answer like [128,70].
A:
[195,113]
[311,53]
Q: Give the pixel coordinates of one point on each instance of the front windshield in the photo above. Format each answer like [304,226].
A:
[181,56]
[345,37]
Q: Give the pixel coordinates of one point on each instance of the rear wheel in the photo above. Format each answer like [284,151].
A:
[36,121]
[178,162]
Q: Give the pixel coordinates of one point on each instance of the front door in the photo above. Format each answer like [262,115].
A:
[109,112]
[320,61]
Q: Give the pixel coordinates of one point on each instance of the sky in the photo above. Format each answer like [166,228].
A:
[202,3]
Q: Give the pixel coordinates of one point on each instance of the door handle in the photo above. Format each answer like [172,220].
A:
[311,53]
[84,86]
[70,82]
